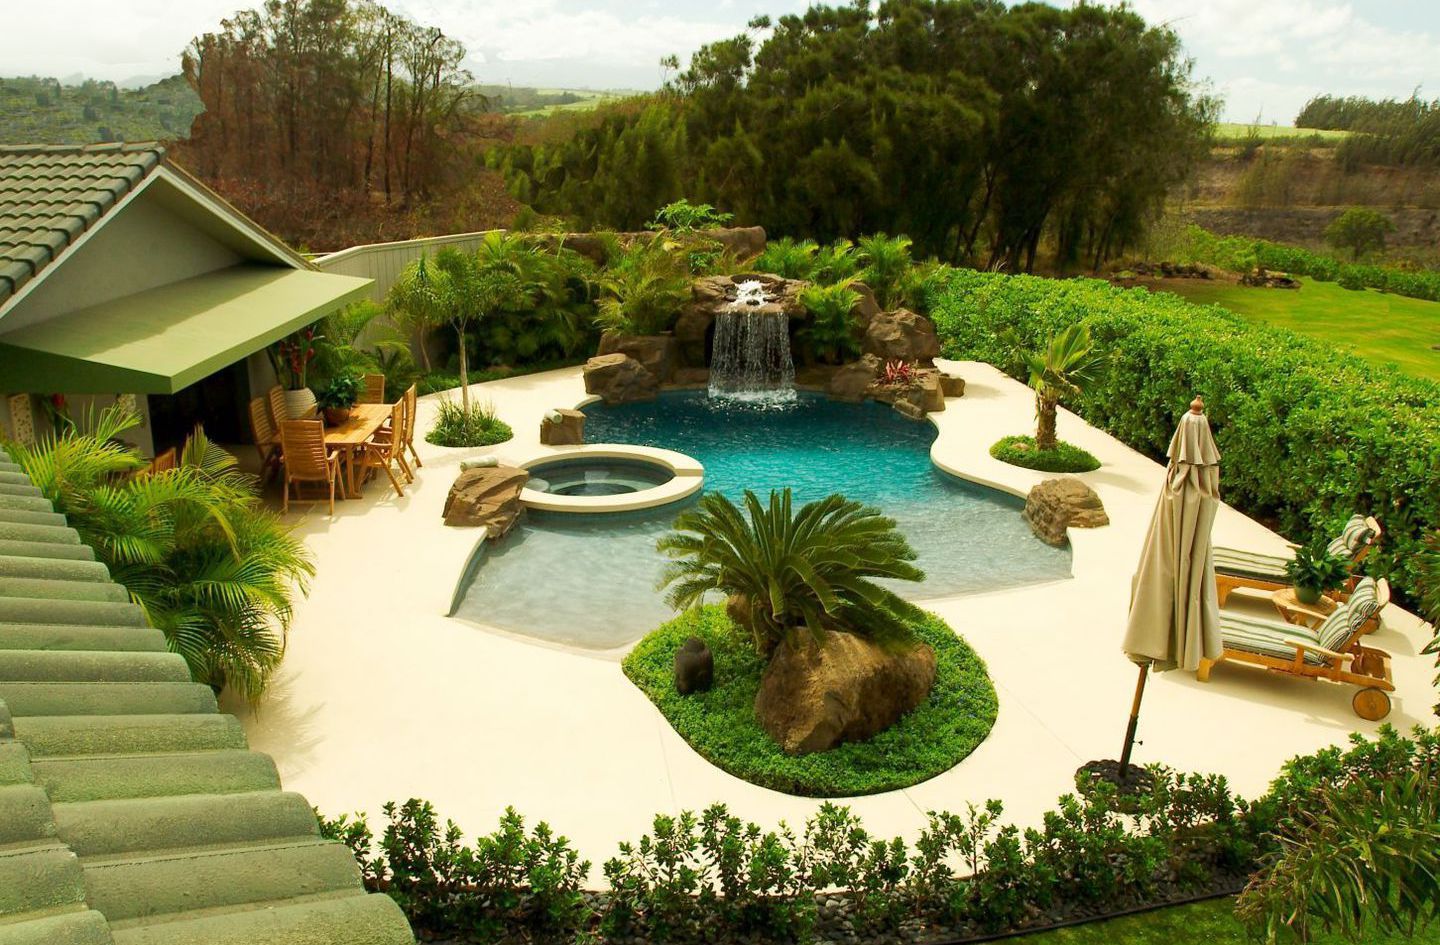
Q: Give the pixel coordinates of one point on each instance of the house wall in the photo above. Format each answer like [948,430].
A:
[81,407]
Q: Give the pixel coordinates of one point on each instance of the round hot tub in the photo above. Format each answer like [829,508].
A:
[597,476]
[609,478]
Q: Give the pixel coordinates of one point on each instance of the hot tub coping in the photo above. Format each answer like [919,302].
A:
[687,472]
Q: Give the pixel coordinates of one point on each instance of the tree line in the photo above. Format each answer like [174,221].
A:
[1390,131]
[343,95]
[978,129]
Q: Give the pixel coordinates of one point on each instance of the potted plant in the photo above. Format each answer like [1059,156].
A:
[1314,570]
[338,397]
[291,359]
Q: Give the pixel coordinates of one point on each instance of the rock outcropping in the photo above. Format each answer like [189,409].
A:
[619,379]
[562,428]
[1058,504]
[902,335]
[487,496]
[813,696]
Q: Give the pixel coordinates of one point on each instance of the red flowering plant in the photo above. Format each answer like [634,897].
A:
[898,373]
[291,357]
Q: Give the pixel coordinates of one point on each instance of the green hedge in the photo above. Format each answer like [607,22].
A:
[1308,434]
[1243,253]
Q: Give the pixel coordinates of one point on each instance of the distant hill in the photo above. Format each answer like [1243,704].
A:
[528,101]
[47,111]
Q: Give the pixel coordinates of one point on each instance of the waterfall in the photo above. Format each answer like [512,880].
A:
[750,357]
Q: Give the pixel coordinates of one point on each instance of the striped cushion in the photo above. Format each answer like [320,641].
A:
[1267,637]
[1252,564]
[1366,601]
[1352,538]
[1336,630]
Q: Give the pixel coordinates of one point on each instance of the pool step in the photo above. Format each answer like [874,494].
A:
[49,736]
[113,777]
[132,825]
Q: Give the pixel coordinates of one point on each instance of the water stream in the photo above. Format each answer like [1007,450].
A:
[750,356]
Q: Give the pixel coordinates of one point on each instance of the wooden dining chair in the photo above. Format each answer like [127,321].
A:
[380,451]
[412,403]
[387,430]
[164,461]
[306,459]
[372,389]
[279,410]
[262,430]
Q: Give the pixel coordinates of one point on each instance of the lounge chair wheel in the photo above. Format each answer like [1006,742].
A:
[1371,704]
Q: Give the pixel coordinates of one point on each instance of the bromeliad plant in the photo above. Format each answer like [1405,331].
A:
[791,572]
[897,373]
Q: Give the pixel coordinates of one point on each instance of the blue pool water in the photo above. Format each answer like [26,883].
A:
[589,581]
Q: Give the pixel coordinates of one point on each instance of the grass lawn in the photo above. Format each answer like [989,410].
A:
[1212,923]
[1383,329]
[721,725]
[1232,130]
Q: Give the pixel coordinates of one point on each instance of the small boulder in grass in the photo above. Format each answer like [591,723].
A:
[694,667]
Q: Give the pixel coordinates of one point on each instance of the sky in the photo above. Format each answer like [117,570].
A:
[1264,57]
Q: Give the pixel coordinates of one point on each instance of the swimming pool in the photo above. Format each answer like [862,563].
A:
[589,580]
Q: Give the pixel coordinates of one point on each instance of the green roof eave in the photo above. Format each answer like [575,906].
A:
[165,339]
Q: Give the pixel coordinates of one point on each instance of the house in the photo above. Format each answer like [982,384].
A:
[123,276]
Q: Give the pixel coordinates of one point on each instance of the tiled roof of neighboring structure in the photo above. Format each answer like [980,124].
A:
[50,195]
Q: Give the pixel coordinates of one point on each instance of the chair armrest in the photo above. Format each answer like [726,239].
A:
[1300,649]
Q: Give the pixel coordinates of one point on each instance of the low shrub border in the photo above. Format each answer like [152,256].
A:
[708,877]
[455,426]
[1065,457]
[1308,435]
[720,724]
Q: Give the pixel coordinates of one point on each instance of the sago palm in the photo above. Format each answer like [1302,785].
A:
[1064,366]
[808,571]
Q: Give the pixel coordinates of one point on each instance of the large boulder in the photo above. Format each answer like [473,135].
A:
[656,353]
[488,497]
[853,382]
[741,242]
[694,667]
[904,336]
[815,695]
[619,379]
[1058,504]
[865,310]
[562,428]
[952,385]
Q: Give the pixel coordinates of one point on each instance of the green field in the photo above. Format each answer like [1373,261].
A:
[35,110]
[587,99]
[1212,923]
[1238,131]
[1389,330]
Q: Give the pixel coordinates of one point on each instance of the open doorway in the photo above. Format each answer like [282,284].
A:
[218,403]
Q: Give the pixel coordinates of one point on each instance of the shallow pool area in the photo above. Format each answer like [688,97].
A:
[589,581]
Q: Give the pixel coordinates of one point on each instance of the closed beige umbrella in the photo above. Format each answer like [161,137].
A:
[1174,614]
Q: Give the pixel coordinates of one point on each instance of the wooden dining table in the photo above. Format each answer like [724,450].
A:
[349,438]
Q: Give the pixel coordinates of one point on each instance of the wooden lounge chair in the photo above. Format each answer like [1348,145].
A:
[372,389]
[381,451]
[1330,651]
[306,459]
[1235,568]
[267,438]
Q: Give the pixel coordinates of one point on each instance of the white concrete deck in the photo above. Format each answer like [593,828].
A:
[382,697]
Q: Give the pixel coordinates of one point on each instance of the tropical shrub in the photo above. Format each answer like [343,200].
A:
[460,424]
[1430,597]
[811,570]
[885,261]
[212,568]
[1065,457]
[1361,230]
[1309,435]
[683,216]
[1315,569]
[550,318]
[831,333]
[341,392]
[642,291]
[720,724]
[788,258]
[1356,842]
[835,262]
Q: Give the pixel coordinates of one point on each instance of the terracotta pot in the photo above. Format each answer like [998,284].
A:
[300,404]
[334,416]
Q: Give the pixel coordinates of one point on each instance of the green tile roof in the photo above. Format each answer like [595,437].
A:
[50,195]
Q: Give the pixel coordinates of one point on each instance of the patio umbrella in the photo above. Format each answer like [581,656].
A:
[1174,615]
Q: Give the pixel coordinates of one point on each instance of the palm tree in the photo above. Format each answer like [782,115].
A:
[417,300]
[1064,366]
[811,570]
[886,260]
[212,569]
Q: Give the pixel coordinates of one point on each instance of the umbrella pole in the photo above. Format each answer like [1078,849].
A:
[1134,721]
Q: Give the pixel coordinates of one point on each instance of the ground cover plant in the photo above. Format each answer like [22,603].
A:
[720,724]
[459,424]
[1308,435]
[1064,457]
